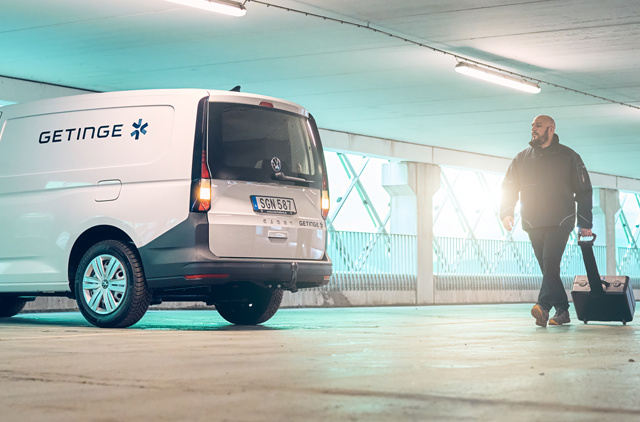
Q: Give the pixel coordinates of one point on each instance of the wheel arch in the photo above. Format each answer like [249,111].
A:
[89,238]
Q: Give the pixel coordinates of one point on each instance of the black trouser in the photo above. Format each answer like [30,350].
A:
[548,245]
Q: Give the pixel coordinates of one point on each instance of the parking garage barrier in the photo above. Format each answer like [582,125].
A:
[379,261]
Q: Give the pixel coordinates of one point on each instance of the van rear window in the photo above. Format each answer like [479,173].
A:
[253,143]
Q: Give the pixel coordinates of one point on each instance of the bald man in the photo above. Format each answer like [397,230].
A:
[549,179]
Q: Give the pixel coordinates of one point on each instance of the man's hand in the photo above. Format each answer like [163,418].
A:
[586,232]
[508,222]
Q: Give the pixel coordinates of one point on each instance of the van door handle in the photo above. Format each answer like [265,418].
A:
[108,190]
[272,234]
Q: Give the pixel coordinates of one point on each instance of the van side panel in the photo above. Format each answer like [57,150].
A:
[126,165]
[84,141]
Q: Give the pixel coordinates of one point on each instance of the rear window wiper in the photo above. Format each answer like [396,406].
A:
[281,176]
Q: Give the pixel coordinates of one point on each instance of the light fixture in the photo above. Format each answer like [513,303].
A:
[497,77]
[218,6]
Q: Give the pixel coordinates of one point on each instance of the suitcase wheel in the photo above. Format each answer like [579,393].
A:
[624,322]
[585,321]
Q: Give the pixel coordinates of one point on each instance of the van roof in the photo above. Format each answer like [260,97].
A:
[122,98]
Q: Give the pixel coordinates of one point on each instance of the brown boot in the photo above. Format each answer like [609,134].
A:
[540,314]
[561,317]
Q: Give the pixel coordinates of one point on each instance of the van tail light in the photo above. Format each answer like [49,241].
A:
[204,169]
[204,195]
[201,188]
[324,199]
[200,198]
[325,203]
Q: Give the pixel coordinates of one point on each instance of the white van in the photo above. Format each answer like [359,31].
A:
[125,199]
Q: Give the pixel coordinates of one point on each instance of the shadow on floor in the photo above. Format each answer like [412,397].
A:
[154,320]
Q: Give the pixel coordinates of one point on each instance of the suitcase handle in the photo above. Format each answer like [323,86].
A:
[595,281]
[590,243]
[586,242]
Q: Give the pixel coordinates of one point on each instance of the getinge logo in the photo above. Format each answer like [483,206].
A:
[139,128]
[92,132]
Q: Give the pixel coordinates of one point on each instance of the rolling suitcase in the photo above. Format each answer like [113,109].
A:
[595,298]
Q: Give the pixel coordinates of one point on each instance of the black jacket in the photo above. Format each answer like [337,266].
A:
[549,182]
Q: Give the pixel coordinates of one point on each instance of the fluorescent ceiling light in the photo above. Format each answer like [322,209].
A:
[497,77]
[219,6]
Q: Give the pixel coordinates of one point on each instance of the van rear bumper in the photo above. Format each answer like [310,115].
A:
[283,274]
[181,258]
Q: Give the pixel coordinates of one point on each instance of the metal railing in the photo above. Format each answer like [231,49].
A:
[372,261]
[379,261]
[476,264]
[628,260]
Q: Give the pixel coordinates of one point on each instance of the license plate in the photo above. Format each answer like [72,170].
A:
[273,205]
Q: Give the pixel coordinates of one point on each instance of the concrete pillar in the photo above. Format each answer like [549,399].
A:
[606,204]
[398,179]
[411,186]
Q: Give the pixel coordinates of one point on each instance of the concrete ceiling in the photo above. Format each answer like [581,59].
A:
[358,80]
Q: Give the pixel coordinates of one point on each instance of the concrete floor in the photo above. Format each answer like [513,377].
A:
[471,362]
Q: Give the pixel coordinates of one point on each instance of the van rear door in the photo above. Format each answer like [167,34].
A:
[268,175]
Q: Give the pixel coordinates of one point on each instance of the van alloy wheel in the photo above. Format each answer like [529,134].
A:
[104,284]
[110,286]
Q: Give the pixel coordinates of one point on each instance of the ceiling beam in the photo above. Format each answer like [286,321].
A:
[404,151]
[21,90]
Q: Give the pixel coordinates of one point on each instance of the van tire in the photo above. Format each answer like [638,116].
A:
[254,306]
[126,290]
[10,306]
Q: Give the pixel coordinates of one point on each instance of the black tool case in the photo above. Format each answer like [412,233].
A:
[596,298]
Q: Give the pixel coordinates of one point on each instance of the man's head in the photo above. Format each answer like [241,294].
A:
[542,130]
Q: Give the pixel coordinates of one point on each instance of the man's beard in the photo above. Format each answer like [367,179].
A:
[541,139]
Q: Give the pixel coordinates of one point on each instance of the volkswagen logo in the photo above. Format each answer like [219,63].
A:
[276,165]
